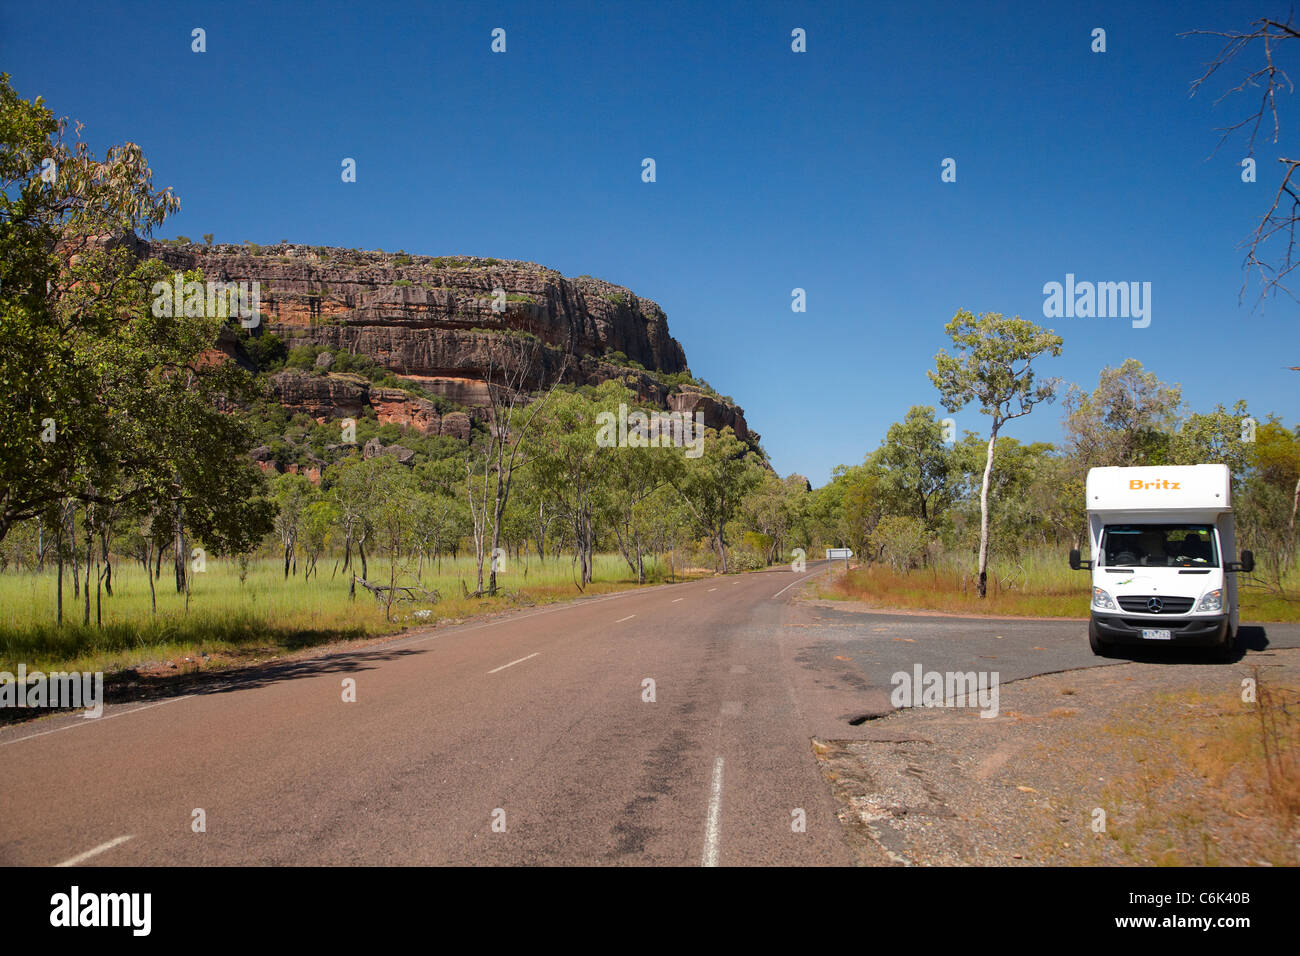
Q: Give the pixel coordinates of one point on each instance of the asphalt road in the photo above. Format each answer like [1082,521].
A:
[530,739]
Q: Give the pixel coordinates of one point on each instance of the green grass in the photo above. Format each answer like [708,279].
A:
[265,615]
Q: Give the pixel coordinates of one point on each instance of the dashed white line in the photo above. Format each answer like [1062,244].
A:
[788,587]
[622,619]
[675,600]
[713,824]
[513,663]
[712,590]
[81,857]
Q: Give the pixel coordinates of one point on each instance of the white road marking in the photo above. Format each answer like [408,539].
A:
[788,587]
[713,824]
[95,720]
[622,619]
[675,600]
[81,857]
[711,590]
[513,663]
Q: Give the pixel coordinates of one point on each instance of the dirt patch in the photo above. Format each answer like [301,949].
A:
[1136,764]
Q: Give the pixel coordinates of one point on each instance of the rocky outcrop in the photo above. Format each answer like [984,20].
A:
[374,448]
[716,414]
[432,321]
[306,287]
[334,396]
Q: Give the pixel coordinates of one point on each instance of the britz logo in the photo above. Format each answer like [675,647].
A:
[1137,484]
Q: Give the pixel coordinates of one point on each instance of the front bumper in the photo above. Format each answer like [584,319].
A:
[1200,630]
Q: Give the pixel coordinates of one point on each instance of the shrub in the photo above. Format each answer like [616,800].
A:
[902,541]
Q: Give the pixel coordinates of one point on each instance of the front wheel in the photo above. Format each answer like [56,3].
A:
[1226,652]
[1099,647]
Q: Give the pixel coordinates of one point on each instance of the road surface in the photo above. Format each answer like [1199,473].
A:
[531,739]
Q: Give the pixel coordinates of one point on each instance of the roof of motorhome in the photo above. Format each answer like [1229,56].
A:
[1160,488]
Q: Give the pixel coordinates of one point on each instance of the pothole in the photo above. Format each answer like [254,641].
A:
[861,719]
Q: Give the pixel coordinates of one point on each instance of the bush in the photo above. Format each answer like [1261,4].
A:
[745,559]
[902,541]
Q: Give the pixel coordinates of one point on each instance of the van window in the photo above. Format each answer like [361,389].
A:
[1159,546]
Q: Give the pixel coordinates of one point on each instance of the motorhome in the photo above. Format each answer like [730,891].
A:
[1162,558]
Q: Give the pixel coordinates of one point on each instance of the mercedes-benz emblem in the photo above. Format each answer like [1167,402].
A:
[1154,605]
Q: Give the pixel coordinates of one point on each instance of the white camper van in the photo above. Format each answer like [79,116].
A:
[1162,557]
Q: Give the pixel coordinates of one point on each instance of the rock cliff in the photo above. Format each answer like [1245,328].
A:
[431,321]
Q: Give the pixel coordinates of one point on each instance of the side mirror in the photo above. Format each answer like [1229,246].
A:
[1076,564]
[1245,565]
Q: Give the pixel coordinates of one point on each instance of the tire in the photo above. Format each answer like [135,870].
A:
[1226,652]
[1099,647]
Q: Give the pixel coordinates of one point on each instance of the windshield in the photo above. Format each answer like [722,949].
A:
[1160,546]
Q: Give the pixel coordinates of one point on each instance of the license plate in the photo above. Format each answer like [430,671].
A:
[1156,634]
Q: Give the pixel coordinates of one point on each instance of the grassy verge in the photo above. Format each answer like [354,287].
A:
[236,621]
[953,592]
[1039,586]
[1216,784]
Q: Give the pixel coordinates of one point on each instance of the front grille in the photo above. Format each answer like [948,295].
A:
[1137,604]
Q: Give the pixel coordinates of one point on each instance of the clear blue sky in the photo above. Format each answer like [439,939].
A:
[775,170]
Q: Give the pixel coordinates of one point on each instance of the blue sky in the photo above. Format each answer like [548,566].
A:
[775,170]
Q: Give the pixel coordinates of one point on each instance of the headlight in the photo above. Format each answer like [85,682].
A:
[1211,602]
[1103,600]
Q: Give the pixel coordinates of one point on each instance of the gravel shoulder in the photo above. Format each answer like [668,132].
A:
[1156,763]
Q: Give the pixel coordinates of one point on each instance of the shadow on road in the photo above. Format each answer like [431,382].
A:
[130,686]
[1250,637]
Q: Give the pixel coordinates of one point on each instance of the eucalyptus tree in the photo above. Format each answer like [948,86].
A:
[993,367]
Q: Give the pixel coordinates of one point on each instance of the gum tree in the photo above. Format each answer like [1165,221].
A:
[993,366]
[714,485]
[108,405]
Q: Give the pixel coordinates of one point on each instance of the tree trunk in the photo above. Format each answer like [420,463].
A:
[178,547]
[982,589]
[72,547]
[148,559]
[108,562]
[90,550]
[58,544]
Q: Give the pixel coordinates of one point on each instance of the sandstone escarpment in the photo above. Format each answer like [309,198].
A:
[432,321]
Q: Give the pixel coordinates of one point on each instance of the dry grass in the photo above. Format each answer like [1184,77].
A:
[952,591]
[1216,783]
[1035,584]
